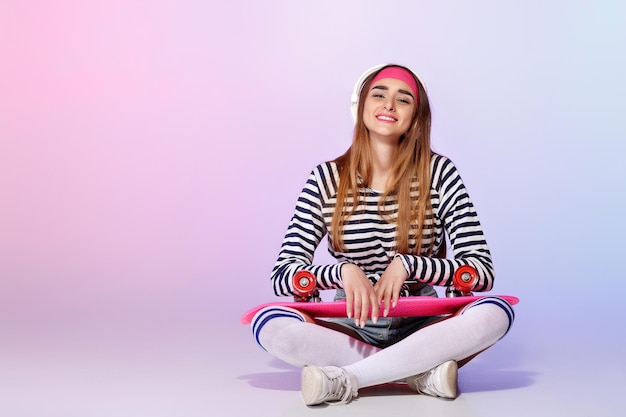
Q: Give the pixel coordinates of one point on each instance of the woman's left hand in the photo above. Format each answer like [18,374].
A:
[389,285]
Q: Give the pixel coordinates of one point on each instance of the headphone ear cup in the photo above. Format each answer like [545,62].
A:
[354,107]
[356,91]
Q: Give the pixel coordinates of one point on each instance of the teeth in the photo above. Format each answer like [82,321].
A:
[391,119]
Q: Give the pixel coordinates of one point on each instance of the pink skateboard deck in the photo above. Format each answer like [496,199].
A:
[406,307]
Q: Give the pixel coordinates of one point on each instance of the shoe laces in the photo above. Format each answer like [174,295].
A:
[425,383]
[341,388]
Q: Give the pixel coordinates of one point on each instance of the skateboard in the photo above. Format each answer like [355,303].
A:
[458,295]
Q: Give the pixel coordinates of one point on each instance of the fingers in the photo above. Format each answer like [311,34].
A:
[361,312]
[396,296]
[363,306]
[388,301]
[357,306]
[383,300]
[389,286]
[374,308]
[388,296]
[349,302]
[360,295]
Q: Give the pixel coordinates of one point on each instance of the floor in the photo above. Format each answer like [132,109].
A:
[188,365]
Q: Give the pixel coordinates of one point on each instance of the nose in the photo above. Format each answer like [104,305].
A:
[389,105]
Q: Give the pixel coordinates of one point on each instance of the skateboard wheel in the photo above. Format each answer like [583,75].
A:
[304,283]
[465,278]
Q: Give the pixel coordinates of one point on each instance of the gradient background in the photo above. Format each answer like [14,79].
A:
[151,153]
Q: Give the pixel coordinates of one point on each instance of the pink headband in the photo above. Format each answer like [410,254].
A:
[399,74]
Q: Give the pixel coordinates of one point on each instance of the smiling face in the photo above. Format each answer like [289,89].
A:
[388,109]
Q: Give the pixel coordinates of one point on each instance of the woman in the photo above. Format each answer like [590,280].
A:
[386,231]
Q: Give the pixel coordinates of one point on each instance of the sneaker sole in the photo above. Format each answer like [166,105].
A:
[312,385]
[450,370]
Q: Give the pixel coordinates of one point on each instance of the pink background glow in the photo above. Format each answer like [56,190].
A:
[151,153]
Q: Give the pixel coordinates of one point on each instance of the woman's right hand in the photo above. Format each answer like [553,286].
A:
[360,295]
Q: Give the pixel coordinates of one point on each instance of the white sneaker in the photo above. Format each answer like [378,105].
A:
[441,381]
[327,384]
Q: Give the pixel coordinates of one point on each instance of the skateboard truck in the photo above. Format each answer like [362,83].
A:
[305,287]
[463,282]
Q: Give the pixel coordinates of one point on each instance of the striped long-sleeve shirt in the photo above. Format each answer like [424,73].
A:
[369,238]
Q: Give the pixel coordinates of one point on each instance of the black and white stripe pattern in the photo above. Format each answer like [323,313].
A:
[369,238]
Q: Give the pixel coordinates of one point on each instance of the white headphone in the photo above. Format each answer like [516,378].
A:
[356,92]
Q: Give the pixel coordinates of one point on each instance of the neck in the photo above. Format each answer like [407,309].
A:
[382,163]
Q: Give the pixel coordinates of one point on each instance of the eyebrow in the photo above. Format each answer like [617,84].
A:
[382,87]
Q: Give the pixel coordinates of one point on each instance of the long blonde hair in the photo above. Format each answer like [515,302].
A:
[412,160]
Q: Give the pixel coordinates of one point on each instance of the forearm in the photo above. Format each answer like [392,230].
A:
[326,276]
[440,271]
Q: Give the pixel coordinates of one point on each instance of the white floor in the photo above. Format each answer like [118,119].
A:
[195,364]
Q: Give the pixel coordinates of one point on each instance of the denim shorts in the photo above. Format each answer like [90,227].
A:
[388,330]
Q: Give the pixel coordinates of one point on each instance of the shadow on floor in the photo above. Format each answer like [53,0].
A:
[471,379]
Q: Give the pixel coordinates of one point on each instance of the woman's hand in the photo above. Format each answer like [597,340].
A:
[389,285]
[360,295]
